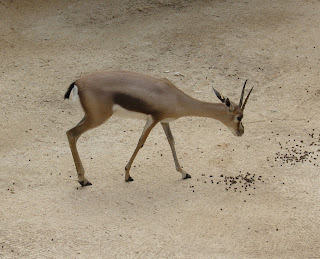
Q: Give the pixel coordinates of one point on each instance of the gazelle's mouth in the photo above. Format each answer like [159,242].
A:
[235,133]
[238,134]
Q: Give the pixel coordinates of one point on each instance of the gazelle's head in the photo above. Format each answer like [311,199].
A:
[233,120]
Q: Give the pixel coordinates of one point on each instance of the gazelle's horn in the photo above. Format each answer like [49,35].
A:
[242,93]
[247,99]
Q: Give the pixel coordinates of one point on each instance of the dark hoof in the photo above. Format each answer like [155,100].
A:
[187,176]
[129,179]
[85,184]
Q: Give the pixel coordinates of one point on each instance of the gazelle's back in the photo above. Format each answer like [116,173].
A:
[125,81]
[133,91]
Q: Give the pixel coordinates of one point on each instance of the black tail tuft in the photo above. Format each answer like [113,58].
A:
[67,94]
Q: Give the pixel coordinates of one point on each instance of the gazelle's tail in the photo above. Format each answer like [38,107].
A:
[67,94]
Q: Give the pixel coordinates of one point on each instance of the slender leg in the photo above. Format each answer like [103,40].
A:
[147,128]
[73,135]
[170,138]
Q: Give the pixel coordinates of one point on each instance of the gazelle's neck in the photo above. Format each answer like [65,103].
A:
[205,109]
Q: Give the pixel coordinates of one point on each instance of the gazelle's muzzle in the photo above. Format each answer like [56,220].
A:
[241,129]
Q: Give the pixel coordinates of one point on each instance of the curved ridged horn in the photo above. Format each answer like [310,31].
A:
[242,93]
[247,98]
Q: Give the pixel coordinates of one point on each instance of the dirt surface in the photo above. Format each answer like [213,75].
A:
[251,197]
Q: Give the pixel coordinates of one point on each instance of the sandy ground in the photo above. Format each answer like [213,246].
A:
[251,197]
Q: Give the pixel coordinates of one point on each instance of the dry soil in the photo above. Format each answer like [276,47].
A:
[251,197]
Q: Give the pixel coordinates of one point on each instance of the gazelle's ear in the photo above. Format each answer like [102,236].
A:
[222,98]
[230,105]
[228,102]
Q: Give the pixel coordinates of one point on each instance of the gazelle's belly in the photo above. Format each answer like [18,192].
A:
[124,113]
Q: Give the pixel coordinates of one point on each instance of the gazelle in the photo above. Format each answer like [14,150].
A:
[130,94]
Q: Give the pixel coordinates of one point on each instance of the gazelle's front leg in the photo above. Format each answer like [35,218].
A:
[147,128]
[170,138]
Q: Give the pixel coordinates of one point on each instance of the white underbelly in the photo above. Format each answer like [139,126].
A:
[167,120]
[124,113]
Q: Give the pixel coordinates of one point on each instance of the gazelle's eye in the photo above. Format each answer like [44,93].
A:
[239,118]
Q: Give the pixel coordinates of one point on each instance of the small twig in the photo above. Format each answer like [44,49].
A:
[280,119]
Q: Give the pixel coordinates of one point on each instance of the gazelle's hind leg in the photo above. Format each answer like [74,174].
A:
[88,122]
[170,138]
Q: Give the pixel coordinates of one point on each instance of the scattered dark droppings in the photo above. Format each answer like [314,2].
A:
[242,181]
[292,154]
